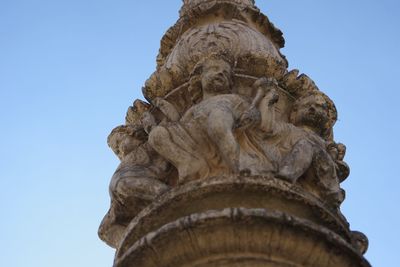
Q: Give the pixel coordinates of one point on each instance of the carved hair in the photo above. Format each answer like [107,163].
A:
[331,112]
[195,87]
[135,130]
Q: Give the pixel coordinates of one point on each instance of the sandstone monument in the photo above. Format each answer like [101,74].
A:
[232,159]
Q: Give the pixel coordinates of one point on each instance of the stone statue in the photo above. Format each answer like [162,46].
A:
[308,155]
[203,142]
[298,148]
[232,160]
[137,181]
[211,137]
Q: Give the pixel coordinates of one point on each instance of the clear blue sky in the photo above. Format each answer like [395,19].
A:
[70,68]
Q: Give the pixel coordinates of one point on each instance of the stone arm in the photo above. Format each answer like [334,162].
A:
[267,110]
[265,100]
[170,112]
[261,110]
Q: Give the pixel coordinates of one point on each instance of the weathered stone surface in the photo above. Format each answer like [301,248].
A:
[241,237]
[232,162]
[217,193]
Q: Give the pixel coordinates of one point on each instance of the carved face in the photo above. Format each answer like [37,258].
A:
[216,77]
[312,111]
[128,144]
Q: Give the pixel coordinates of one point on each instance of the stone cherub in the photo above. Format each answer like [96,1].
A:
[137,181]
[301,146]
[204,141]
[224,133]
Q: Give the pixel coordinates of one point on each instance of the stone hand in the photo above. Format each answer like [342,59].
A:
[267,89]
[249,117]
[272,96]
[265,83]
[166,108]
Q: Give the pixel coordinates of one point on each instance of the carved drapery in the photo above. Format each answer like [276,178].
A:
[228,129]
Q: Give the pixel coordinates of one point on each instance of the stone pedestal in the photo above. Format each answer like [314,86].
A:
[238,221]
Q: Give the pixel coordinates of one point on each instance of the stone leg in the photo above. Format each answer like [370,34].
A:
[220,130]
[130,193]
[326,171]
[297,161]
[185,160]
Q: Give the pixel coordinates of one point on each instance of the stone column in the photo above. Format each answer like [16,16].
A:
[232,160]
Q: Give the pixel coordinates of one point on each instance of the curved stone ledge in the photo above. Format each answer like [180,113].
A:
[241,237]
[218,193]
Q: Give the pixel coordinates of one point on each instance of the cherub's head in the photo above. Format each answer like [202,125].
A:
[212,75]
[316,112]
[125,138]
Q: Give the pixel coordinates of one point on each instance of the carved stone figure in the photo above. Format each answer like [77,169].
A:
[258,157]
[232,160]
[298,148]
[135,183]
[308,155]
[202,142]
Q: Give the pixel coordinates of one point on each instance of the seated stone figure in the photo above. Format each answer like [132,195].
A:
[204,142]
[135,183]
[302,148]
[258,157]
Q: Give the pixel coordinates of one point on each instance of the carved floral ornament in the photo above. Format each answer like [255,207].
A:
[222,103]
